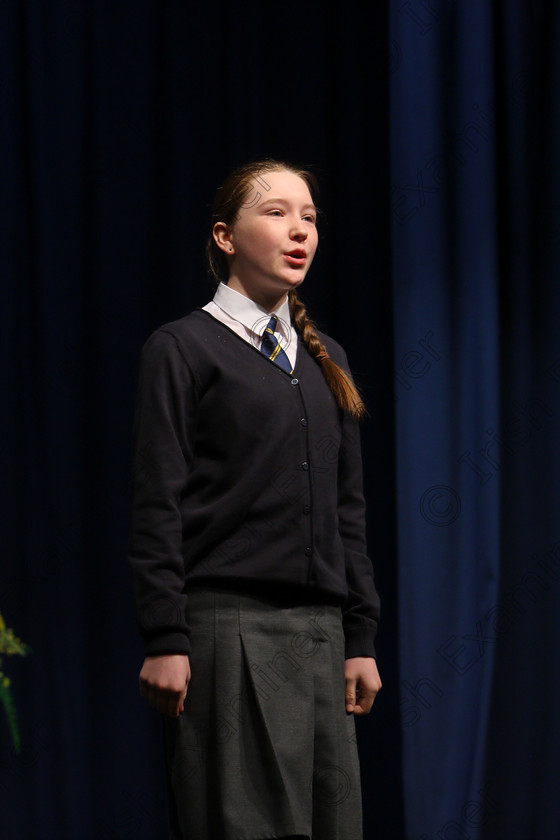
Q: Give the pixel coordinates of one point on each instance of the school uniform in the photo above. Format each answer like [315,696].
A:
[247,547]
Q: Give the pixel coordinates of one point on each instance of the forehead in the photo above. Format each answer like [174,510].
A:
[281,184]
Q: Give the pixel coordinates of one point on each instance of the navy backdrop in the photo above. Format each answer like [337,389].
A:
[433,128]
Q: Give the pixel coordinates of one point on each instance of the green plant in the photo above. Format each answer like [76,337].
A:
[10,645]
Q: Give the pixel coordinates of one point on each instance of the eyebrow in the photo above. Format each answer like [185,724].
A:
[283,201]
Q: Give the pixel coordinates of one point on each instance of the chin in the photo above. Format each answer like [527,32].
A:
[294,282]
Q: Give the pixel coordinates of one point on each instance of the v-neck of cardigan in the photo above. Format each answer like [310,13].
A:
[301,348]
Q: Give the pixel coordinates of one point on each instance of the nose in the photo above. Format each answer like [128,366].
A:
[298,231]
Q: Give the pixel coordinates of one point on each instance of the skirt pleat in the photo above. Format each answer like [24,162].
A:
[264,748]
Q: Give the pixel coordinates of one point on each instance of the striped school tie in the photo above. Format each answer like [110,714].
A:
[271,348]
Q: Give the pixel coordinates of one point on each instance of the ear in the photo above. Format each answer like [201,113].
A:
[222,237]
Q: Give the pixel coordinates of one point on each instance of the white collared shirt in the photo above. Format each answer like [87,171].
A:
[248,319]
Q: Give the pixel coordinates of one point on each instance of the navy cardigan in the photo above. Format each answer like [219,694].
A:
[244,477]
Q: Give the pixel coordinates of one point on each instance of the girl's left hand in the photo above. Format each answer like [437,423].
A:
[362,684]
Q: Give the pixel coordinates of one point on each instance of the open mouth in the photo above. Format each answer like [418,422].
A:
[296,257]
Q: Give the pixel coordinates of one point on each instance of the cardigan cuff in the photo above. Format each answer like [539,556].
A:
[167,643]
[358,642]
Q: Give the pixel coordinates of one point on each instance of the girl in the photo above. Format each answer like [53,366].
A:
[247,541]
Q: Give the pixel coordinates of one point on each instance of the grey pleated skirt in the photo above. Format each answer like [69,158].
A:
[264,748]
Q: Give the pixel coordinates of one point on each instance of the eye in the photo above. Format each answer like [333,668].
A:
[310,218]
[272,212]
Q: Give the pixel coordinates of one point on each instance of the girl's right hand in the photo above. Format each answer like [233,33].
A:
[163,682]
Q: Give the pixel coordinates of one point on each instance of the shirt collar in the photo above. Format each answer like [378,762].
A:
[241,308]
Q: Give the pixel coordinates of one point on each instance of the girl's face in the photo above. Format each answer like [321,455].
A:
[271,245]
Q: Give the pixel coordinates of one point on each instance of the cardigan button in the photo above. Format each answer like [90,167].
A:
[308,551]
[305,465]
[303,421]
[306,509]
[295,381]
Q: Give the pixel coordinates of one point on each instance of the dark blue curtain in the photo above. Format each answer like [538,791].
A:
[475,221]
[433,128]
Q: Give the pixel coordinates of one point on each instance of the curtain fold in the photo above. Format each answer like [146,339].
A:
[474,105]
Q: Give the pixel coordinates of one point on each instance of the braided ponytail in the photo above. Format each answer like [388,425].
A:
[343,389]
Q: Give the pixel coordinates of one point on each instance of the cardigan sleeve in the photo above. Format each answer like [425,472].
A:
[360,614]
[161,452]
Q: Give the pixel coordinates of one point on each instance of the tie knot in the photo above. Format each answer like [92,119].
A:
[271,326]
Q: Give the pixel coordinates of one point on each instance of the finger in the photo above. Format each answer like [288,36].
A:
[182,704]
[153,697]
[173,702]
[364,704]
[350,694]
[366,698]
[173,705]
[164,701]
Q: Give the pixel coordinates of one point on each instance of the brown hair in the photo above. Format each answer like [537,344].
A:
[227,203]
